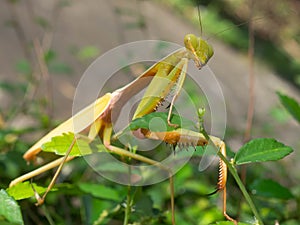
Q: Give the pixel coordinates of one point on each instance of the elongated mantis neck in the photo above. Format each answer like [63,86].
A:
[122,95]
[196,49]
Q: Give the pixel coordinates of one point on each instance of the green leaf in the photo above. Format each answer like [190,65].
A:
[157,121]
[43,22]
[111,167]
[291,105]
[60,144]
[24,190]
[88,52]
[97,207]
[100,191]
[144,205]
[49,56]
[280,114]
[9,209]
[13,87]
[270,189]
[261,150]
[59,67]
[23,66]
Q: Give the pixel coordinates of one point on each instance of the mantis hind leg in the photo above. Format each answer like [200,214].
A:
[224,208]
[40,200]
[40,170]
[223,180]
[58,162]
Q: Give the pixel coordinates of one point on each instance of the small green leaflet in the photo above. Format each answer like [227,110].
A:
[157,122]
[261,150]
[23,66]
[88,52]
[9,209]
[24,190]
[270,189]
[43,22]
[60,68]
[101,191]
[49,56]
[291,105]
[60,144]
[144,205]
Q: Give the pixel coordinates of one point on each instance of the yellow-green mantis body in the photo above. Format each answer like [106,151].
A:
[171,69]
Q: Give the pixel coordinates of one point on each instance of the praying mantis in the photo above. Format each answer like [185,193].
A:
[163,77]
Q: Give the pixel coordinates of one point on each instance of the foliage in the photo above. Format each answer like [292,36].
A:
[291,105]
[10,212]
[147,208]
[261,150]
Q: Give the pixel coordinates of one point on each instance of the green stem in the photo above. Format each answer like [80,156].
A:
[234,173]
[47,215]
[129,197]
[128,206]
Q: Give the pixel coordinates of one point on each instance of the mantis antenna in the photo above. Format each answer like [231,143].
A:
[199,17]
[234,26]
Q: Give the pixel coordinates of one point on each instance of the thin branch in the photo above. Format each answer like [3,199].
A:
[45,73]
[251,76]
[251,93]
[235,175]
[21,36]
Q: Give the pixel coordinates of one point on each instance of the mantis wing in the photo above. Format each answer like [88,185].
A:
[83,117]
[109,101]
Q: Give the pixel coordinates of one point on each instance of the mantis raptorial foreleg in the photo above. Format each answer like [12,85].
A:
[179,85]
[40,170]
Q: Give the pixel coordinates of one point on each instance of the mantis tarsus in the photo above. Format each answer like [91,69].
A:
[171,69]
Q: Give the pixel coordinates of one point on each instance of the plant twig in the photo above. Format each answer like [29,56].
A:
[128,205]
[234,173]
[44,72]
[242,187]
[251,93]
[251,76]
[47,215]
[35,78]
[128,198]
[21,36]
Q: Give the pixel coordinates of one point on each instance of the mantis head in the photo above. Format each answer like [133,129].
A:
[199,50]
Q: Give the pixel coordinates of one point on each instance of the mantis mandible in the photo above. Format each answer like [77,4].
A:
[173,69]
